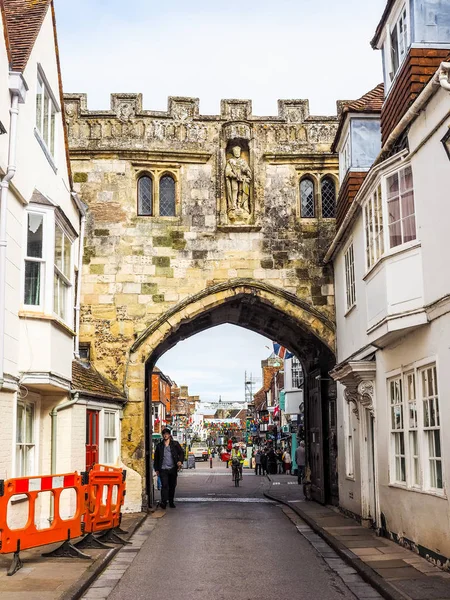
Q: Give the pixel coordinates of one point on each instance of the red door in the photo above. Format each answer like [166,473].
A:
[91,438]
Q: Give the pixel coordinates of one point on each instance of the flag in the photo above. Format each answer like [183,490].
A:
[276,410]
[281,351]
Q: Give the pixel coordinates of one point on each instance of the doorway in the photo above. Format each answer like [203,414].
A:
[92,445]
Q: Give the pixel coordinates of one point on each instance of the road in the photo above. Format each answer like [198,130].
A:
[220,543]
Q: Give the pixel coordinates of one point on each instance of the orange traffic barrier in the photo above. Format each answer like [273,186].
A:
[106,495]
[59,529]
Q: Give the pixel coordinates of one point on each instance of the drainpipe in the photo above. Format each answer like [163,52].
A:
[82,209]
[54,415]
[18,89]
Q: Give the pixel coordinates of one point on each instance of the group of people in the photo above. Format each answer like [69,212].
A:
[267,460]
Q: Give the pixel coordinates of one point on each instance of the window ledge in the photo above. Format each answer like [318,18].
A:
[405,488]
[350,478]
[45,150]
[26,314]
[349,310]
[391,253]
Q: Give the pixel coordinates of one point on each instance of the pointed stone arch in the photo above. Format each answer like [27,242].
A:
[226,303]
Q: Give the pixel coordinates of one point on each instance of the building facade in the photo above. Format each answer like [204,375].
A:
[393,288]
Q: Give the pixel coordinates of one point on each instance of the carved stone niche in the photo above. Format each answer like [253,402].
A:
[236,110]
[126,106]
[293,111]
[183,109]
[237,176]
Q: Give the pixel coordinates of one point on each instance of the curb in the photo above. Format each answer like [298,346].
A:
[90,575]
[367,573]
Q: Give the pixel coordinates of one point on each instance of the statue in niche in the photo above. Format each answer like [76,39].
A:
[238,177]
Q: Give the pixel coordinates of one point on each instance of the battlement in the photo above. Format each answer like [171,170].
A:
[127,106]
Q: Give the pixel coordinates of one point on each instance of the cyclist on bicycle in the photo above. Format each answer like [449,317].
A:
[237,459]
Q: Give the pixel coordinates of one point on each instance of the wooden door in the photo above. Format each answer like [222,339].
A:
[92,444]
[315,435]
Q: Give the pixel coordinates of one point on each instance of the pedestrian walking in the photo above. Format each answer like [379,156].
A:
[287,462]
[258,464]
[264,462]
[300,460]
[167,462]
[280,466]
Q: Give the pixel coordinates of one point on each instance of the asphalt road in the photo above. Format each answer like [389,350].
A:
[226,544]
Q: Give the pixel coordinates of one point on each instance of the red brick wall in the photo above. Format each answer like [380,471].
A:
[349,188]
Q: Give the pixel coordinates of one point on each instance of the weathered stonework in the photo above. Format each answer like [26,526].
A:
[144,277]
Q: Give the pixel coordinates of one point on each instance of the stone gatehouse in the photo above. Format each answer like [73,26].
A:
[198,220]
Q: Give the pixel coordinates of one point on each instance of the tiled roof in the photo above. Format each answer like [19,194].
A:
[23,21]
[86,379]
[372,102]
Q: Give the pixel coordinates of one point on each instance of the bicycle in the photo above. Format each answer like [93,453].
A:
[236,472]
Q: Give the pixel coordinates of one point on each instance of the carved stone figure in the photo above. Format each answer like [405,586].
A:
[238,177]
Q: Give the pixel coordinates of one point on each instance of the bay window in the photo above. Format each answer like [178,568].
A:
[399,42]
[62,282]
[373,226]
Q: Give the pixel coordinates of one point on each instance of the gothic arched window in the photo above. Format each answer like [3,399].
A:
[167,196]
[328,193]
[307,198]
[145,196]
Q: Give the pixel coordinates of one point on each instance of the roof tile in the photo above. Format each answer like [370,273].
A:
[23,21]
[85,378]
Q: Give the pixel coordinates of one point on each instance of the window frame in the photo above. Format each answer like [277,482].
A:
[349,442]
[390,74]
[350,279]
[34,401]
[61,277]
[47,139]
[51,220]
[387,229]
[312,180]
[374,232]
[327,177]
[43,260]
[417,453]
[297,374]
[156,174]
[107,438]
[346,155]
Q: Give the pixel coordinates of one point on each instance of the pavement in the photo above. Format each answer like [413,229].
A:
[43,578]
[395,572]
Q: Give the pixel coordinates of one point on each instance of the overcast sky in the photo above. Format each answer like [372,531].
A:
[262,50]
[257,49]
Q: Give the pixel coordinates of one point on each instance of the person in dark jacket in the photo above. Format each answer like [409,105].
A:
[167,462]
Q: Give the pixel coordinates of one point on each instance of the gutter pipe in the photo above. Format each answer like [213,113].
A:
[82,208]
[18,88]
[440,78]
[54,415]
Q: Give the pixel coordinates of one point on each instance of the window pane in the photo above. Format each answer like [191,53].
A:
[29,433]
[167,196]
[395,234]
[394,210]
[45,131]
[52,129]
[39,105]
[32,292]
[35,235]
[145,196]
[20,423]
[307,198]
[67,256]
[60,291]
[58,248]
[328,198]
[439,474]
[392,186]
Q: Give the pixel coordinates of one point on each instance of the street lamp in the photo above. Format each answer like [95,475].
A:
[446,142]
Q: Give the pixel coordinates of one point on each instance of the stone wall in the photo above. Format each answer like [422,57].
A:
[136,268]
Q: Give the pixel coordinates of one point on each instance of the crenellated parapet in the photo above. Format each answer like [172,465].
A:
[127,124]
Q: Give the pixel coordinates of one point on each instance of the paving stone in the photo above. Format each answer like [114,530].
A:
[97,593]
[386,564]
[401,573]
[428,588]
[366,551]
